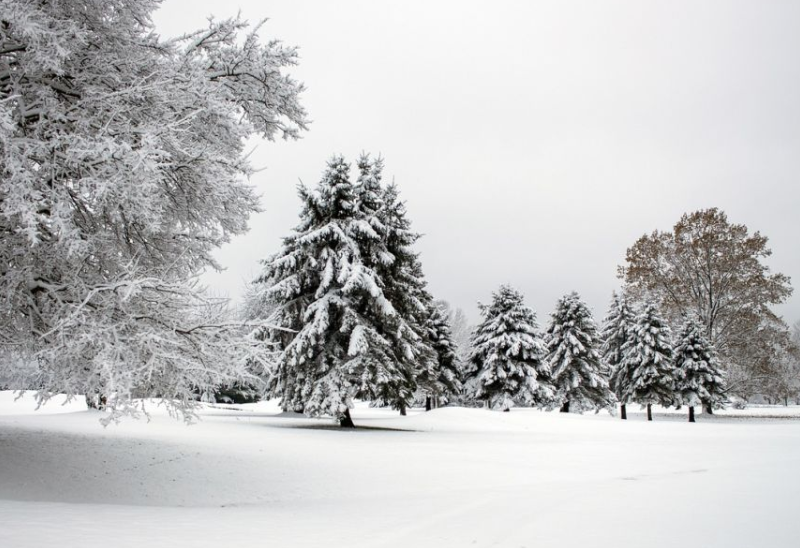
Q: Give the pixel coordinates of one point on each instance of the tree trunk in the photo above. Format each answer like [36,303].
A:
[623,412]
[564,407]
[403,409]
[691,413]
[346,421]
[427,403]
[649,412]
[97,401]
[707,409]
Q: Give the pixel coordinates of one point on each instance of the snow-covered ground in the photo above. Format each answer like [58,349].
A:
[249,476]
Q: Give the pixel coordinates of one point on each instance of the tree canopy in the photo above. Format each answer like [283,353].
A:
[713,270]
[123,168]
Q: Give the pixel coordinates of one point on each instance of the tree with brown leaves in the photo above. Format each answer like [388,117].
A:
[711,269]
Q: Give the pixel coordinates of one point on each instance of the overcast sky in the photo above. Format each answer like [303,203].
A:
[534,142]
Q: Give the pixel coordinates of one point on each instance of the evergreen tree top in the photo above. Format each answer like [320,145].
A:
[572,312]
[368,186]
[617,327]
[509,311]
[507,324]
[652,330]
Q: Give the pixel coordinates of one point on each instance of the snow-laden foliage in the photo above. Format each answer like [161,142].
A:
[698,376]
[508,354]
[441,380]
[460,329]
[405,286]
[648,375]
[579,374]
[617,328]
[123,168]
[340,333]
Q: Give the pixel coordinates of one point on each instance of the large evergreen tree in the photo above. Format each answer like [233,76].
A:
[697,369]
[648,357]
[617,329]
[342,336]
[508,354]
[579,374]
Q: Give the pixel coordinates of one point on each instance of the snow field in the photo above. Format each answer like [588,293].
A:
[450,477]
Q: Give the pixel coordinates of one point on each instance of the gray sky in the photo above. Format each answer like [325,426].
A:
[535,141]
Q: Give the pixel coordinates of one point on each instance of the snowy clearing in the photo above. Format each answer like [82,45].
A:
[248,475]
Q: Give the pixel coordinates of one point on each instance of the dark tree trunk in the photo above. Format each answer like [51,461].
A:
[346,421]
[427,403]
[649,412]
[98,401]
[623,412]
[564,407]
[506,410]
[707,409]
[403,409]
[691,413]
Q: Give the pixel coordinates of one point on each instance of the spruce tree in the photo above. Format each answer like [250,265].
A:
[617,329]
[648,357]
[579,374]
[441,379]
[405,286]
[340,335]
[508,354]
[698,376]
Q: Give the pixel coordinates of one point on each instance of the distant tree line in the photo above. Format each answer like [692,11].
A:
[350,317]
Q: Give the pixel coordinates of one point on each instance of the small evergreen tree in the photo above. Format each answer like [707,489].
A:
[617,329]
[508,352]
[579,374]
[648,357]
[340,335]
[440,381]
[698,376]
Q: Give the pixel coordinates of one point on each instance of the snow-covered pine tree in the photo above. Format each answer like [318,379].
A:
[617,328]
[648,357]
[508,354]
[123,168]
[442,380]
[405,286]
[578,372]
[697,369]
[349,340]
